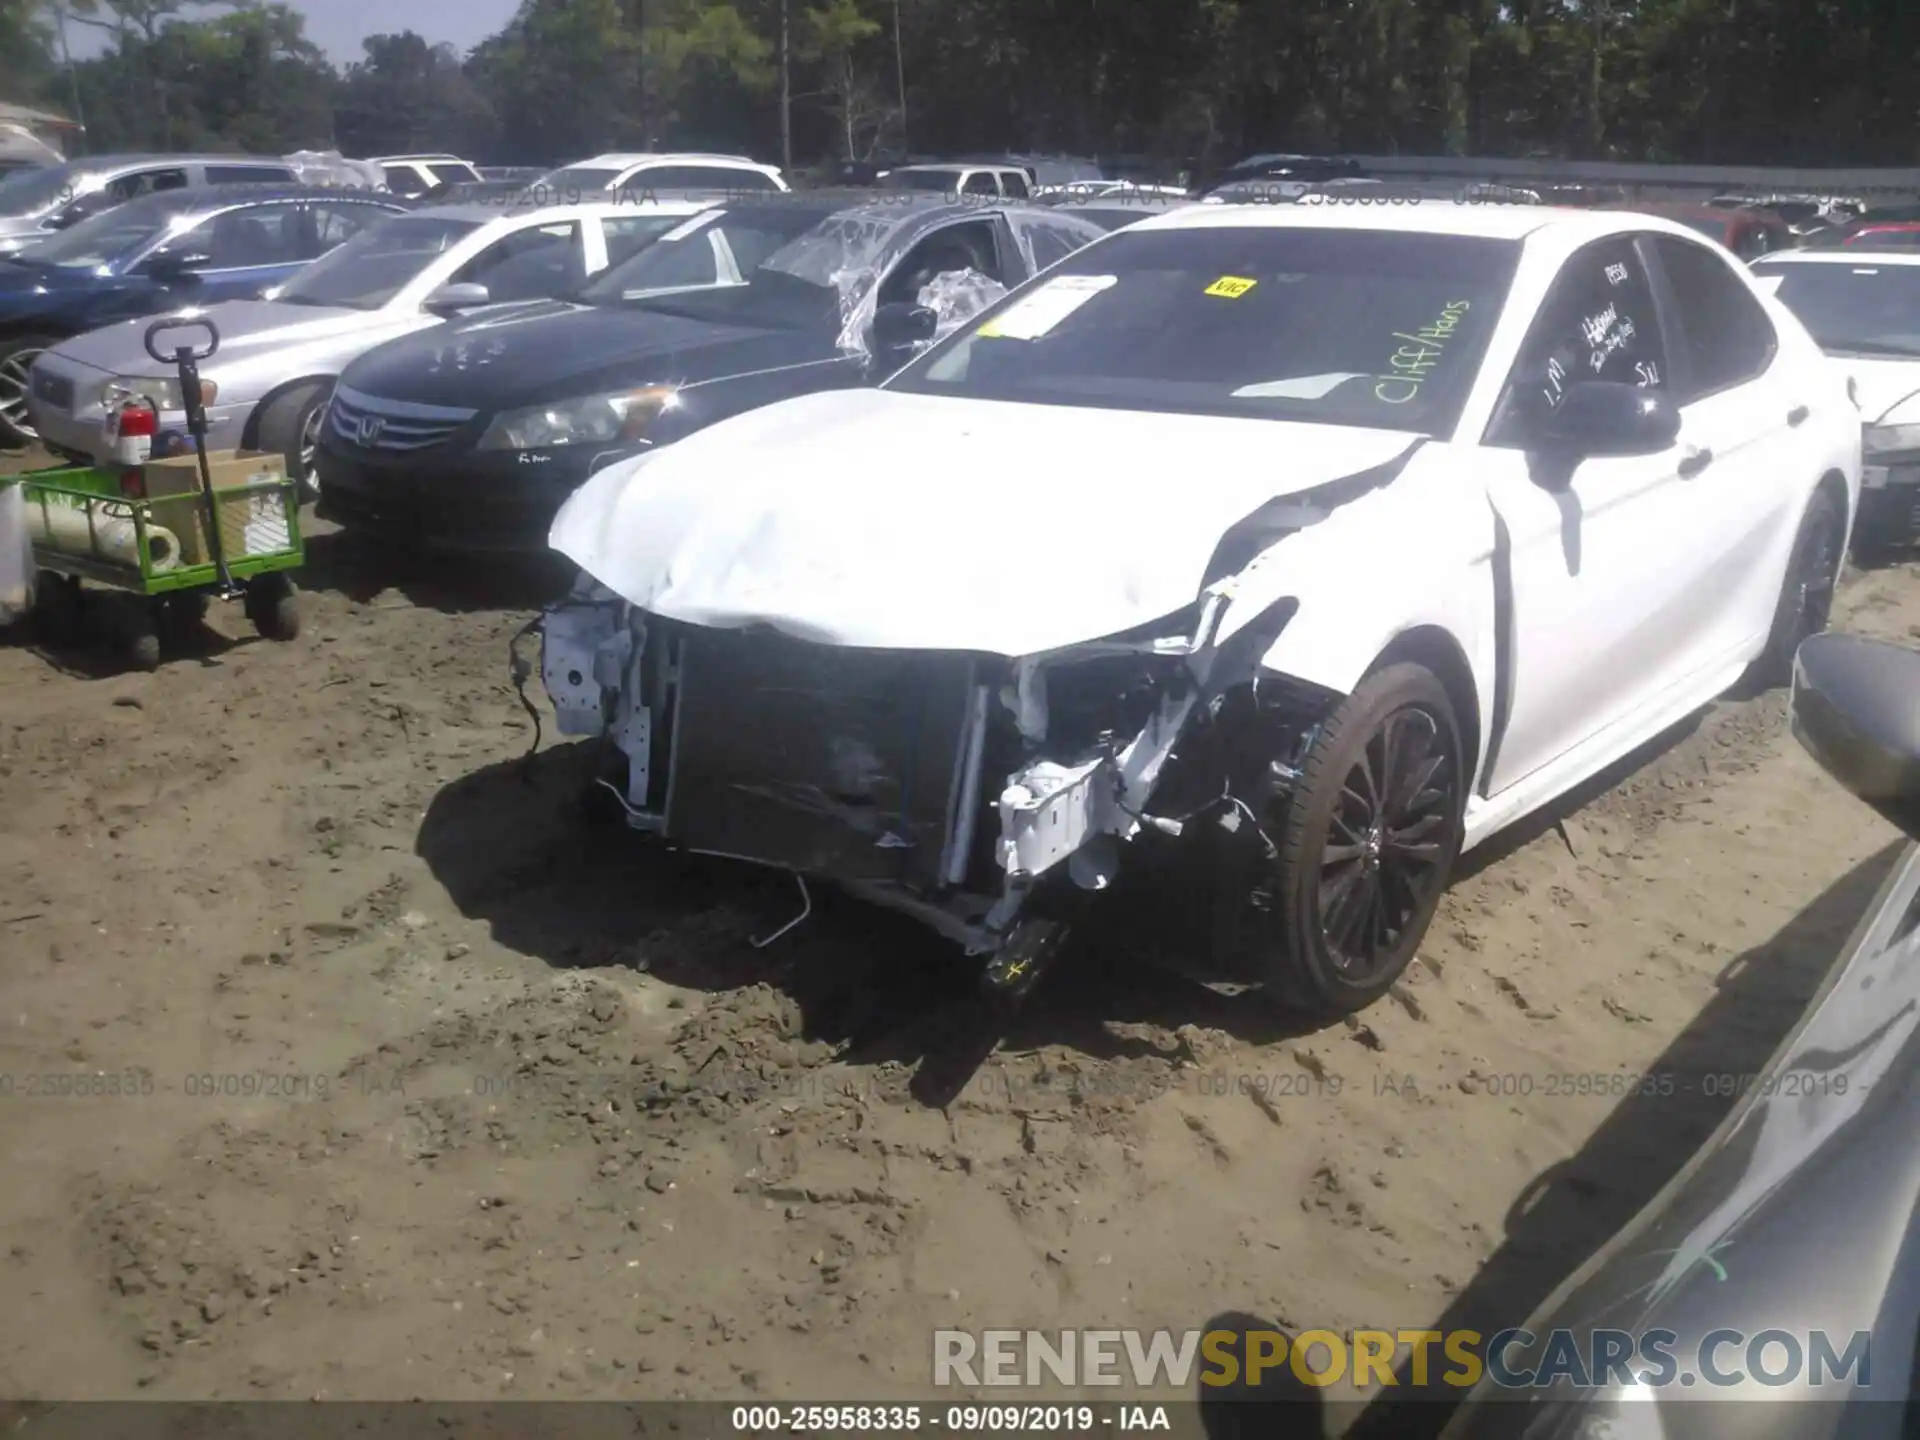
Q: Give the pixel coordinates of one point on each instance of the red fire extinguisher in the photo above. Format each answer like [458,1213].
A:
[130,431]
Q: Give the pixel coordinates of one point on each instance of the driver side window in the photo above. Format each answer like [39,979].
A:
[966,246]
[533,264]
[1598,323]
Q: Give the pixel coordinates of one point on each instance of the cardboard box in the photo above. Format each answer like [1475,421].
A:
[249,524]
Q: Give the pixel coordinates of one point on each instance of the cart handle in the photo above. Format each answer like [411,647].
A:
[181,322]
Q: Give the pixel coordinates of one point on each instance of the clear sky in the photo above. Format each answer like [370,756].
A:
[337,26]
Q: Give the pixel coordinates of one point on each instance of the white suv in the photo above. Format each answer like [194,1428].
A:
[414,175]
[619,173]
[1005,181]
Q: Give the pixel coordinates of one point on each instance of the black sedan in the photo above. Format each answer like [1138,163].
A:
[468,437]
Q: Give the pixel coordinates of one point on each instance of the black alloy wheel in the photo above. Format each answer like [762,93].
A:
[1806,595]
[1365,844]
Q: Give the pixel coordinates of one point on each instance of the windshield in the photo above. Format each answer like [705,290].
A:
[571,183]
[778,267]
[34,192]
[941,180]
[1858,309]
[112,234]
[371,268]
[1338,327]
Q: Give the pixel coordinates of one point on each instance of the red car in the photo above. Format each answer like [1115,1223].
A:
[1878,235]
[1746,232]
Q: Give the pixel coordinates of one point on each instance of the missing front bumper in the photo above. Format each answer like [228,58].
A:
[907,777]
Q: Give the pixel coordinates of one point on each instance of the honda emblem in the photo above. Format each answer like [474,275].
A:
[370,428]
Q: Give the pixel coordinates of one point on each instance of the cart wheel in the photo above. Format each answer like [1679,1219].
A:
[188,608]
[56,607]
[140,634]
[273,605]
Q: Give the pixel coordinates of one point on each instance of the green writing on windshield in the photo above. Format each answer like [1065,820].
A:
[1419,352]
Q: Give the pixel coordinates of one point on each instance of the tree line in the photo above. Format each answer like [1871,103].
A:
[1172,82]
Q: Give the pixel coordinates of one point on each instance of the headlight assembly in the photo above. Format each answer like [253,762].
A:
[1890,439]
[162,392]
[589,420]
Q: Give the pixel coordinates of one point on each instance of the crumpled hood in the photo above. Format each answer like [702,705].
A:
[246,327]
[878,519]
[1889,390]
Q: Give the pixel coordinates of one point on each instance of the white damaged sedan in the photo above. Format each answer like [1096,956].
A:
[1317,545]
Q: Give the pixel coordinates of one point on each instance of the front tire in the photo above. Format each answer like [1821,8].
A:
[17,354]
[1366,844]
[290,428]
[1806,594]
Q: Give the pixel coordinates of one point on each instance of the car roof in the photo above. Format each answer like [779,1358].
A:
[553,214]
[961,165]
[1493,221]
[1873,259]
[266,190]
[648,157]
[116,162]
[397,159]
[219,197]
[1677,208]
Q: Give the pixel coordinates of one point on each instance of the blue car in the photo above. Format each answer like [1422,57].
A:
[164,251]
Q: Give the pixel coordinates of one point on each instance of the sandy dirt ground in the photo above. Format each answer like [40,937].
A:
[338,1059]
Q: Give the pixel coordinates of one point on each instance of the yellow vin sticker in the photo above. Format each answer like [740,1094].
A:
[1231,287]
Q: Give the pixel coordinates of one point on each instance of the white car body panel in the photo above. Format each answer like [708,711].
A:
[1589,615]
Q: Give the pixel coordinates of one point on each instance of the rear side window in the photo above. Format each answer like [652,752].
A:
[334,222]
[248,174]
[452,173]
[1724,331]
[145,182]
[626,235]
[1050,240]
[980,182]
[405,180]
[530,264]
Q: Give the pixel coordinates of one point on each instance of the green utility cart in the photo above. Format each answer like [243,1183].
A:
[173,534]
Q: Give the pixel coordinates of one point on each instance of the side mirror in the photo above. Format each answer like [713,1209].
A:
[1856,709]
[901,324]
[1608,417]
[451,298]
[177,265]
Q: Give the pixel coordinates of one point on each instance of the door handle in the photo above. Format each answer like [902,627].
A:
[1693,462]
[1798,415]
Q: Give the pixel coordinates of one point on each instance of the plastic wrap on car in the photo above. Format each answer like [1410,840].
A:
[956,296]
[330,167]
[848,253]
